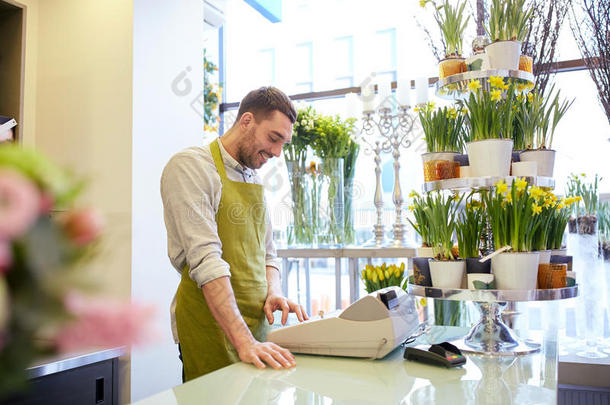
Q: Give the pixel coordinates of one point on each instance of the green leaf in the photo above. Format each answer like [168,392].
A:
[480,285]
[476,65]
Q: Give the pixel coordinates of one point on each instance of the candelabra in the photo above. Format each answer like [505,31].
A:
[390,132]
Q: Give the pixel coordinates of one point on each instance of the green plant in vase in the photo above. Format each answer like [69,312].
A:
[587,223]
[349,170]
[603,229]
[331,145]
[508,20]
[378,277]
[442,214]
[295,154]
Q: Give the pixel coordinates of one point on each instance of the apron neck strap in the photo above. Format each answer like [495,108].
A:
[220,166]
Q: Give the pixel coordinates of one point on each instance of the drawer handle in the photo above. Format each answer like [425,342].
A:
[99,390]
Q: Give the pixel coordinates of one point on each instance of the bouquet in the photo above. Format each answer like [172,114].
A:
[378,277]
[44,242]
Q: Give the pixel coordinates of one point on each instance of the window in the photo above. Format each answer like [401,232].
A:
[302,70]
[344,62]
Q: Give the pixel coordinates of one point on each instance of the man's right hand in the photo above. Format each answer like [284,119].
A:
[259,353]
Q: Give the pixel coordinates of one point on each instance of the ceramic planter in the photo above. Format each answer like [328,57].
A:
[447,274]
[490,157]
[451,66]
[439,165]
[504,54]
[515,271]
[545,256]
[481,281]
[425,251]
[524,169]
[421,271]
[473,265]
[553,276]
[465,171]
[558,252]
[544,158]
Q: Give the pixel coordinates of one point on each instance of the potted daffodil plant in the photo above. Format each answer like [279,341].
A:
[507,27]
[452,22]
[443,131]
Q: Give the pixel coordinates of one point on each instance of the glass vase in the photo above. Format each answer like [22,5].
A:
[301,231]
[349,237]
[327,203]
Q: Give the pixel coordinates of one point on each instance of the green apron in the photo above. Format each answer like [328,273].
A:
[241,228]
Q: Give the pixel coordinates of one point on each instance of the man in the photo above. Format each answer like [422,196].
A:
[219,239]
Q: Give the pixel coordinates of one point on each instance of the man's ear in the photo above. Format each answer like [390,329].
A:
[246,120]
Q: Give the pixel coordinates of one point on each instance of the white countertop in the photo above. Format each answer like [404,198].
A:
[316,380]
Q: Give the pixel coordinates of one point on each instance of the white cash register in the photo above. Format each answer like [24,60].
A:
[371,327]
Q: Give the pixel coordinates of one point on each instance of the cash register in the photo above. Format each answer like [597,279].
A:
[371,327]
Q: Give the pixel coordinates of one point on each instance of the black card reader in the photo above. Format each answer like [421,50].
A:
[389,298]
[441,354]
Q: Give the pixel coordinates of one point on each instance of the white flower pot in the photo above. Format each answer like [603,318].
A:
[544,158]
[559,252]
[516,271]
[545,256]
[447,274]
[504,54]
[425,252]
[524,169]
[490,157]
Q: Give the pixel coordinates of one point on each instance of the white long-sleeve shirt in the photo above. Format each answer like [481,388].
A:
[191,191]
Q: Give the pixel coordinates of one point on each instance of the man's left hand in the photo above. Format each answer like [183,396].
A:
[279,302]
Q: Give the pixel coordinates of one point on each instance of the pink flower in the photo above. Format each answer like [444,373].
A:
[19,204]
[46,202]
[6,256]
[83,226]
[103,323]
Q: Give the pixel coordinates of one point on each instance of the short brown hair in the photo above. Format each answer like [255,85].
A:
[264,101]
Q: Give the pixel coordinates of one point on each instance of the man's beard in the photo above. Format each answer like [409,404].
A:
[246,151]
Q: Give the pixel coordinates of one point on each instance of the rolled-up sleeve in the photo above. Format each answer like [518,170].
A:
[188,192]
[271,258]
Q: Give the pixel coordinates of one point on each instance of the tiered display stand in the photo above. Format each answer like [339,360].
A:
[491,336]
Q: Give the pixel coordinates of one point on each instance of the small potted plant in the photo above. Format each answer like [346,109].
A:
[452,22]
[512,213]
[587,223]
[469,229]
[443,128]
[490,117]
[506,28]
[421,268]
[573,188]
[557,227]
[446,270]
[603,227]
[539,116]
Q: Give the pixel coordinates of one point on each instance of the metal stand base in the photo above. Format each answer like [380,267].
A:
[492,337]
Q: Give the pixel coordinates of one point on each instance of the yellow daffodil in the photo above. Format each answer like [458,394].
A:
[520,97]
[521,184]
[496,95]
[422,3]
[537,192]
[464,110]
[578,198]
[411,207]
[583,175]
[501,187]
[431,105]
[559,207]
[521,87]
[496,82]
[530,97]
[474,85]
[536,209]
[416,109]
[452,113]
[413,194]
[422,302]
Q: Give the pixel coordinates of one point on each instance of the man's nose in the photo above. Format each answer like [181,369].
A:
[276,150]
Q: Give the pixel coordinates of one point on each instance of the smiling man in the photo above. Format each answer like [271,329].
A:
[219,240]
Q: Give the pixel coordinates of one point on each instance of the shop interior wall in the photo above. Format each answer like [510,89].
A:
[167,96]
[78,110]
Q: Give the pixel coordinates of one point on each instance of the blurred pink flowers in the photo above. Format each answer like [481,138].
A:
[6,256]
[19,204]
[83,225]
[104,323]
